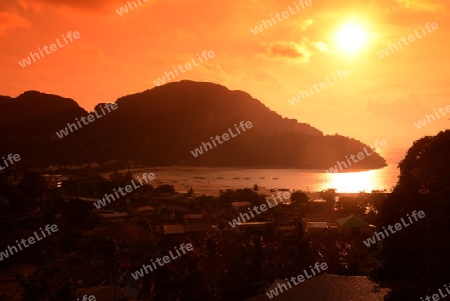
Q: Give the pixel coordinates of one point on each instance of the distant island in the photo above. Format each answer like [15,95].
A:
[160,127]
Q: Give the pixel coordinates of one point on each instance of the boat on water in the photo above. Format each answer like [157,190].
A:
[262,178]
[247,178]
[275,178]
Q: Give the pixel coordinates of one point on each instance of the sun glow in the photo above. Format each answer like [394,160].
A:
[354,181]
[351,37]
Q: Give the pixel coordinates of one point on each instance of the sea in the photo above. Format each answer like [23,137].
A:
[210,180]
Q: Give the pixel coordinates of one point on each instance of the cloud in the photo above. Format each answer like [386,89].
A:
[307,23]
[422,5]
[289,50]
[86,5]
[295,51]
[321,46]
[10,21]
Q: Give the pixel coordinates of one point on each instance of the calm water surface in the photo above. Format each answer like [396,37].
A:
[208,180]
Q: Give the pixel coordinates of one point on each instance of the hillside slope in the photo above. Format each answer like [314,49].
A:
[163,125]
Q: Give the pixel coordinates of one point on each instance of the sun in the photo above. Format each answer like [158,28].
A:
[351,38]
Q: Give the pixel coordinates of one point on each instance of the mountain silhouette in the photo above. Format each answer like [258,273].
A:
[163,125]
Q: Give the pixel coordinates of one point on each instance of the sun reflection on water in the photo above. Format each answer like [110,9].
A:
[354,181]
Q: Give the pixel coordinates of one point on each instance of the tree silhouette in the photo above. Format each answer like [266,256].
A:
[418,255]
[299,197]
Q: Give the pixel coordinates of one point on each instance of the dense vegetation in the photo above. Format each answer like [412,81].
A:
[416,260]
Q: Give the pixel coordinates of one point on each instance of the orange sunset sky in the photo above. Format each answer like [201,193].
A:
[119,55]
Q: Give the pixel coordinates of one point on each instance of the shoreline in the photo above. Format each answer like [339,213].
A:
[209,181]
[186,167]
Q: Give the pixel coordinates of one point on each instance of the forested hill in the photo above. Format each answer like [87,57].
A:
[163,125]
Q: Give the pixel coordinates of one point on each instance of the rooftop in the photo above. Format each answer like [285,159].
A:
[352,221]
